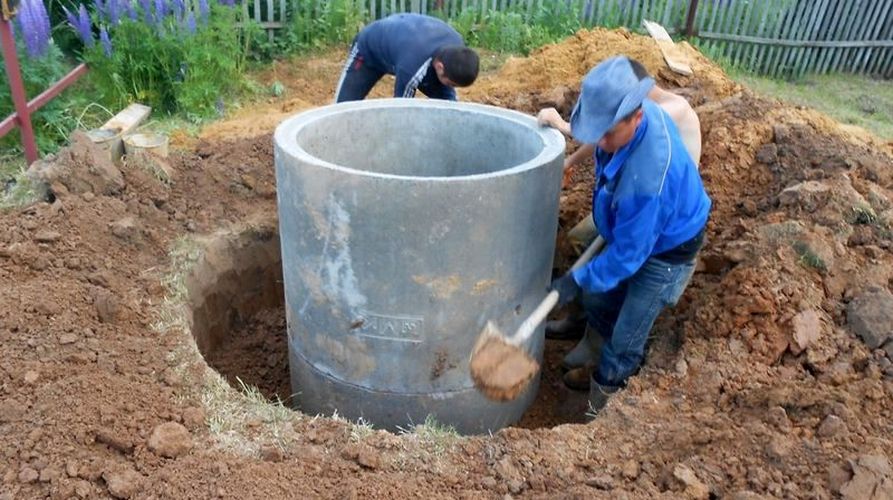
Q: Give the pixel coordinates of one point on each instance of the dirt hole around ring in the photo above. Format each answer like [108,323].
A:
[238,322]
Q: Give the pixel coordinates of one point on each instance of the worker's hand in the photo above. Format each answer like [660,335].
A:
[567,289]
[568,175]
[549,117]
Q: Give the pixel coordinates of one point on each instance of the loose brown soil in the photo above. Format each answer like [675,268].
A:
[760,383]
[501,371]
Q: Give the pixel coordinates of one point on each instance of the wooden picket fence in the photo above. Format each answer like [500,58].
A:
[782,38]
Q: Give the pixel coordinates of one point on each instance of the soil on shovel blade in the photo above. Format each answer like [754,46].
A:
[501,371]
[770,378]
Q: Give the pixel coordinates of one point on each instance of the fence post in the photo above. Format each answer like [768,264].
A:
[17,88]
[690,19]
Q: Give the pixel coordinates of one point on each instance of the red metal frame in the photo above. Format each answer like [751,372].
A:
[24,108]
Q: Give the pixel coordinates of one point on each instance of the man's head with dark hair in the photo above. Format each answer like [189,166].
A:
[456,66]
[638,69]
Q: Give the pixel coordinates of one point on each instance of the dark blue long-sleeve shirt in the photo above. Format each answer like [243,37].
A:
[648,199]
[404,45]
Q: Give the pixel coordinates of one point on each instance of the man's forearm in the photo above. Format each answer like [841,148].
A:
[579,155]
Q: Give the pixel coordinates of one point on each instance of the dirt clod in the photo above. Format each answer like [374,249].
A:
[194,417]
[83,167]
[114,440]
[28,475]
[831,427]
[601,482]
[368,458]
[631,470]
[126,228]
[271,454]
[870,315]
[170,440]
[123,483]
[31,377]
[47,236]
[872,479]
[67,338]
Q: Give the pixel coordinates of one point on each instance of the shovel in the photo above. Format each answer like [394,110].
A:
[499,367]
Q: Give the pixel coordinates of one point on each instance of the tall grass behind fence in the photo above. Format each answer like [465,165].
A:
[771,37]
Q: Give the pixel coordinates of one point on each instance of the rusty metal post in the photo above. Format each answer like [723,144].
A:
[690,19]
[17,88]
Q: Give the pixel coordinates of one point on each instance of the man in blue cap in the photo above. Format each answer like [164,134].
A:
[649,204]
[422,52]
[579,360]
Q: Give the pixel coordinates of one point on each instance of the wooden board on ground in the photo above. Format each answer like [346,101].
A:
[675,60]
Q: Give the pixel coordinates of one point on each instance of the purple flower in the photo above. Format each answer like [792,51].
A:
[190,23]
[34,24]
[160,10]
[146,7]
[99,6]
[131,10]
[81,24]
[72,19]
[179,8]
[204,10]
[113,9]
[106,41]
[228,3]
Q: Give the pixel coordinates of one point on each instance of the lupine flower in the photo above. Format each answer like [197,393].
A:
[160,10]
[179,8]
[113,9]
[72,19]
[228,3]
[81,24]
[204,10]
[146,7]
[190,23]
[131,10]
[99,7]
[34,24]
[106,41]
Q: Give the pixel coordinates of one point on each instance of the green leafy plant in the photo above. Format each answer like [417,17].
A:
[174,59]
[864,215]
[316,24]
[808,257]
[516,30]
[54,120]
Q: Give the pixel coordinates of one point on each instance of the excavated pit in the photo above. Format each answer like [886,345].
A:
[238,322]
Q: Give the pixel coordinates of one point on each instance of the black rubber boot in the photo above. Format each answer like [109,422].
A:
[569,328]
[586,352]
[578,379]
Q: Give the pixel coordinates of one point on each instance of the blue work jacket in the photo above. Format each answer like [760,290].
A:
[648,198]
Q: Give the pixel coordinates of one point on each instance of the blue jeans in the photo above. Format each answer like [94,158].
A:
[624,316]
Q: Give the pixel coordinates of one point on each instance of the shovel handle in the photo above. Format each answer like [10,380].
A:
[542,310]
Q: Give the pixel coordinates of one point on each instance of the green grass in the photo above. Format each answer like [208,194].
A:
[853,99]
[808,258]
[864,215]
[16,189]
